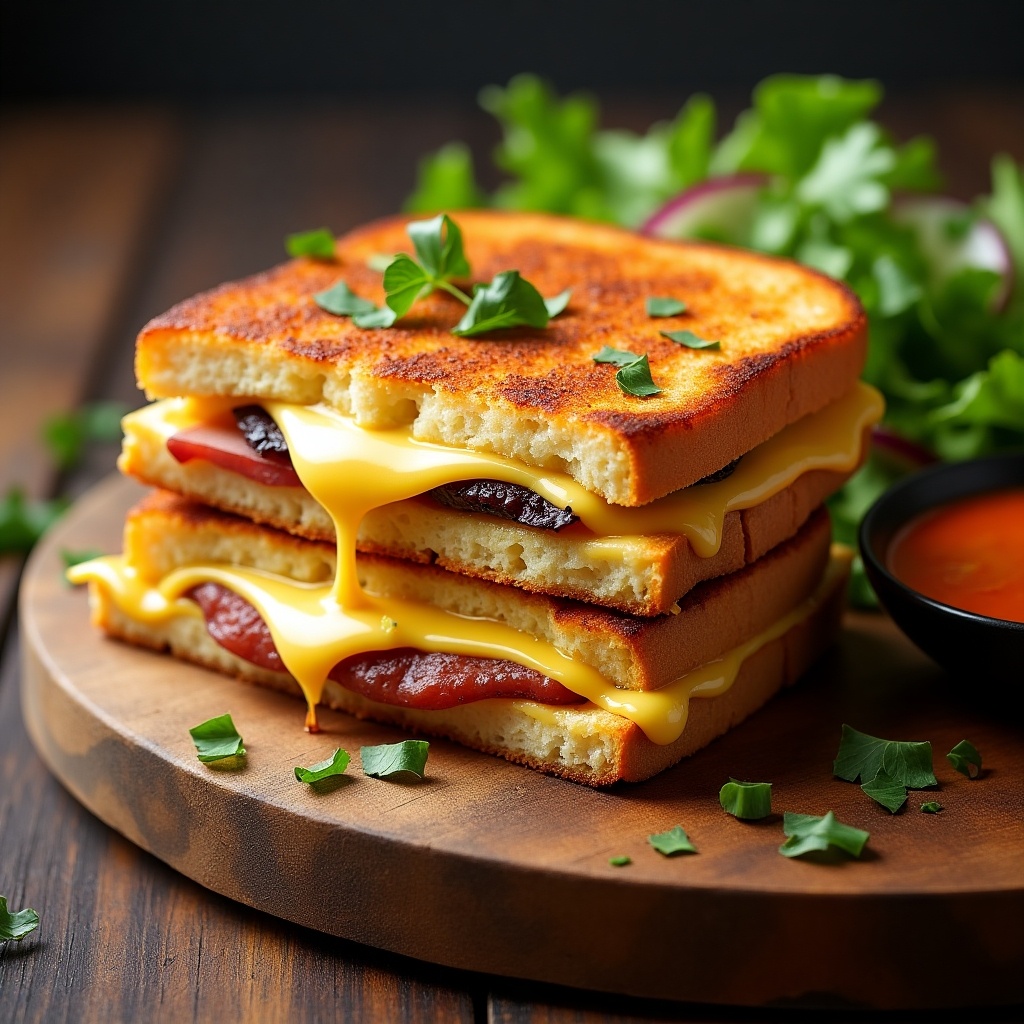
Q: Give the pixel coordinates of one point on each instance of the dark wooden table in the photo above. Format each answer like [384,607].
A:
[108,216]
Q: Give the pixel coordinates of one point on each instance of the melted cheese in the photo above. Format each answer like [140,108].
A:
[313,632]
[350,470]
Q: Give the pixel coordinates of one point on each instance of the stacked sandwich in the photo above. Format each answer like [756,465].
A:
[498,538]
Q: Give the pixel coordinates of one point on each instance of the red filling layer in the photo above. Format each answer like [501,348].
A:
[225,446]
[404,677]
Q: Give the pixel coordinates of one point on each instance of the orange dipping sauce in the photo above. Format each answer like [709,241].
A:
[968,554]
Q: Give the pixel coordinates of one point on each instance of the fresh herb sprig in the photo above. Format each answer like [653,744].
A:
[509,300]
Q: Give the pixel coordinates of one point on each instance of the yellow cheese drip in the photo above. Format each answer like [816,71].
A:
[350,470]
[312,633]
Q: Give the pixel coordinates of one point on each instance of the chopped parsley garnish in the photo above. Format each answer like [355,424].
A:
[931,807]
[620,861]
[217,739]
[690,340]
[907,764]
[747,800]
[674,841]
[809,833]
[885,790]
[18,924]
[389,759]
[317,244]
[964,757]
[507,301]
[334,765]
[658,306]
[615,356]
[635,379]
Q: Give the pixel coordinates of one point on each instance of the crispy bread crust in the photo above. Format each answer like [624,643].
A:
[584,744]
[791,339]
[164,532]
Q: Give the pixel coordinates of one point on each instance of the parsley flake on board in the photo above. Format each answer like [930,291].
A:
[931,807]
[809,833]
[18,924]
[317,244]
[334,765]
[885,790]
[620,862]
[690,340]
[389,759]
[863,756]
[750,801]
[217,739]
[674,841]
[659,306]
[964,757]
[635,379]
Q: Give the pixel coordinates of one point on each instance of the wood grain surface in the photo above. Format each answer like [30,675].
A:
[108,217]
[480,865]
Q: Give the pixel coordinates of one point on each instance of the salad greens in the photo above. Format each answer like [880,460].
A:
[825,185]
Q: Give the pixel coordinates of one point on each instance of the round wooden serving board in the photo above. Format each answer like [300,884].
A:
[489,866]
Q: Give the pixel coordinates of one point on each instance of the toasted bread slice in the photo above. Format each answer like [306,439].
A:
[791,341]
[165,532]
[582,743]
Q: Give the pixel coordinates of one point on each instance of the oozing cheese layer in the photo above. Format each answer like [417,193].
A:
[313,632]
[329,451]
[350,470]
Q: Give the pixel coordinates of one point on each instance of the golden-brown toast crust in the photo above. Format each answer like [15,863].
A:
[791,340]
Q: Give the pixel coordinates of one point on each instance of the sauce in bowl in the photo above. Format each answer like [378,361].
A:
[968,554]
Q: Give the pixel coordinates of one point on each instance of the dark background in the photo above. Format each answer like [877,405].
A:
[198,50]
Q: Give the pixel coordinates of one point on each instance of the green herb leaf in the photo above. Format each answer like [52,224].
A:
[392,758]
[557,303]
[217,739]
[931,807]
[508,301]
[23,522]
[672,842]
[808,833]
[964,757]
[620,861]
[690,340]
[862,756]
[438,244]
[660,306]
[66,434]
[375,318]
[342,301]
[17,925]
[887,791]
[747,800]
[334,765]
[615,356]
[404,282]
[635,379]
[70,558]
[317,244]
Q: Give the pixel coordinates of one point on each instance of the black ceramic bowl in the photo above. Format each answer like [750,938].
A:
[963,642]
